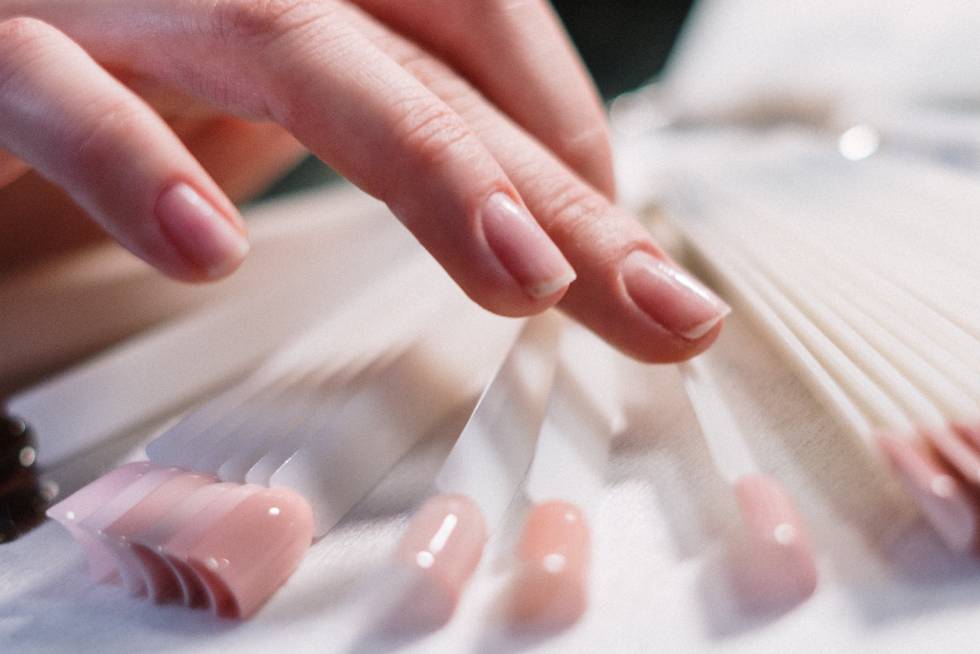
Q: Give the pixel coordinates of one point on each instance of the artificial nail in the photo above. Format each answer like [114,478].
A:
[551,588]
[441,548]
[671,297]
[956,450]
[103,563]
[523,247]
[938,494]
[207,238]
[143,516]
[775,565]
[252,551]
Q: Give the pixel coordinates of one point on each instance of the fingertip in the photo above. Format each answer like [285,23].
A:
[210,242]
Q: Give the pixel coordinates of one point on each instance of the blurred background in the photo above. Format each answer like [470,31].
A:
[623,42]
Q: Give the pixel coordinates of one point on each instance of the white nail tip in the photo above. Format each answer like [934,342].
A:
[551,287]
[701,329]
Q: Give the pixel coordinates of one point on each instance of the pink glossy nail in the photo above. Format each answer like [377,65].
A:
[248,554]
[551,588]
[776,567]
[957,450]
[205,237]
[141,517]
[523,247]
[938,494]
[671,297]
[441,548]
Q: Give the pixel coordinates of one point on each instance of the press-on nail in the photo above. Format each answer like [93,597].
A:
[442,547]
[671,297]
[938,494]
[523,248]
[551,589]
[776,567]
[204,236]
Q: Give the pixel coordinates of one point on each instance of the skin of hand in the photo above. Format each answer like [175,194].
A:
[474,121]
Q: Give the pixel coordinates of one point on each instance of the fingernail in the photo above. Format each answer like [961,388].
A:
[523,248]
[207,238]
[671,297]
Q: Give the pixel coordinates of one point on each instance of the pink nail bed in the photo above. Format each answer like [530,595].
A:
[551,588]
[441,548]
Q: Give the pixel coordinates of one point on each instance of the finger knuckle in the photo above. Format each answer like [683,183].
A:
[95,147]
[249,21]
[432,132]
[583,146]
[573,210]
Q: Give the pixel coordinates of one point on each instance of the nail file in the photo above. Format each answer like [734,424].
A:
[444,541]
[776,565]
[565,481]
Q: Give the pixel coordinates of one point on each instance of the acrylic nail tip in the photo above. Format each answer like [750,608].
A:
[79,505]
[441,549]
[246,556]
[548,598]
[551,588]
[939,496]
[777,566]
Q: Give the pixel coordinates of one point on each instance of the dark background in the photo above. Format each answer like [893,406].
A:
[623,42]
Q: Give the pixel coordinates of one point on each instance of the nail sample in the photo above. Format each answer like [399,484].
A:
[249,553]
[441,549]
[671,297]
[142,517]
[775,567]
[177,535]
[957,450]
[523,248]
[103,563]
[207,239]
[551,587]
[75,508]
[938,494]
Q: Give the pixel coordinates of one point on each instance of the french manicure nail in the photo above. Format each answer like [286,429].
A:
[523,248]
[671,297]
[203,235]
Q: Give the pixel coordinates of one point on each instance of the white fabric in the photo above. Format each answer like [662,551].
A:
[887,584]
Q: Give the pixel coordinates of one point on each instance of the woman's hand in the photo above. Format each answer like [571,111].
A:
[473,120]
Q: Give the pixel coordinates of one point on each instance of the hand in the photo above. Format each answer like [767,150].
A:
[473,120]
